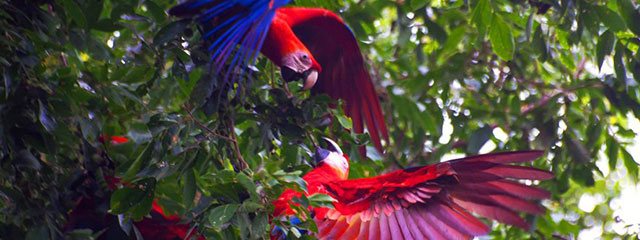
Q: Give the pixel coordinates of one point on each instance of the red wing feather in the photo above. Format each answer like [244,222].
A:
[344,74]
[435,201]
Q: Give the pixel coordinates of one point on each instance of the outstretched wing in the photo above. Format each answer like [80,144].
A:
[231,23]
[344,74]
[435,201]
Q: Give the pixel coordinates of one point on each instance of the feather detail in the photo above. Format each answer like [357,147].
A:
[235,29]
[344,73]
[434,201]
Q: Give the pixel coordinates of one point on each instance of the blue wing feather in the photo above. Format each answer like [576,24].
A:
[241,23]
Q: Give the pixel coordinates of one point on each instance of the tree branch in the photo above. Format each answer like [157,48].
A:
[242,164]
[232,138]
[187,109]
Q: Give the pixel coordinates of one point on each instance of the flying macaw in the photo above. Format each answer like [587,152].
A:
[311,44]
[428,202]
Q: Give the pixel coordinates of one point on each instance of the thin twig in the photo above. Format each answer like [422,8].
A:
[231,138]
[559,92]
[243,164]
[580,68]
[204,127]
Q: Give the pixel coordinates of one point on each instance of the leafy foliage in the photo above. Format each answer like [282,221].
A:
[455,77]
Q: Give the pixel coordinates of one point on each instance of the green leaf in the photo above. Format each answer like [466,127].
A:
[409,111]
[618,64]
[222,214]
[540,45]
[417,4]
[321,200]
[202,90]
[612,152]
[136,200]
[478,138]
[481,15]
[8,79]
[47,122]
[529,27]
[297,180]
[170,31]
[107,25]
[137,74]
[610,19]
[630,164]
[24,158]
[452,43]
[156,11]
[37,233]
[436,31]
[75,12]
[344,121]
[248,184]
[630,15]
[577,150]
[583,175]
[501,38]
[140,133]
[189,187]
[138,163]
[249,206]
[92,11]
[604,47]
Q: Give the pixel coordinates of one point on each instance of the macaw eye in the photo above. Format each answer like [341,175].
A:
[305,58]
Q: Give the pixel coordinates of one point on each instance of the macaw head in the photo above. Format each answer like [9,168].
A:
[332,157]
[300,65]
[285,49]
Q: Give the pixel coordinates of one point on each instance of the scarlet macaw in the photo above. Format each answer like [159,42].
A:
[429,202]
[311,44]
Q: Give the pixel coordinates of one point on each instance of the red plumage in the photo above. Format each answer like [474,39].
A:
[114,140]
[311,44]
[165,226]
[344,73]
[430,202]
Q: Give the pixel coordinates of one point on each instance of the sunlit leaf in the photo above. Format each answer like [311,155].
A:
[630,14]
[610,18]
[222,214]
[481,14]
[630,164]
[501,38]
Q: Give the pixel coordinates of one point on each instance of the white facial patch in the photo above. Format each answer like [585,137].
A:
[338,162]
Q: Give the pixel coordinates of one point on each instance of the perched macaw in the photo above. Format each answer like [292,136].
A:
[311,44]
[429,202]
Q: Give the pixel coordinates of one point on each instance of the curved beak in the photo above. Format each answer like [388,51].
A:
[310,79]
[333,146]
[321,154]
